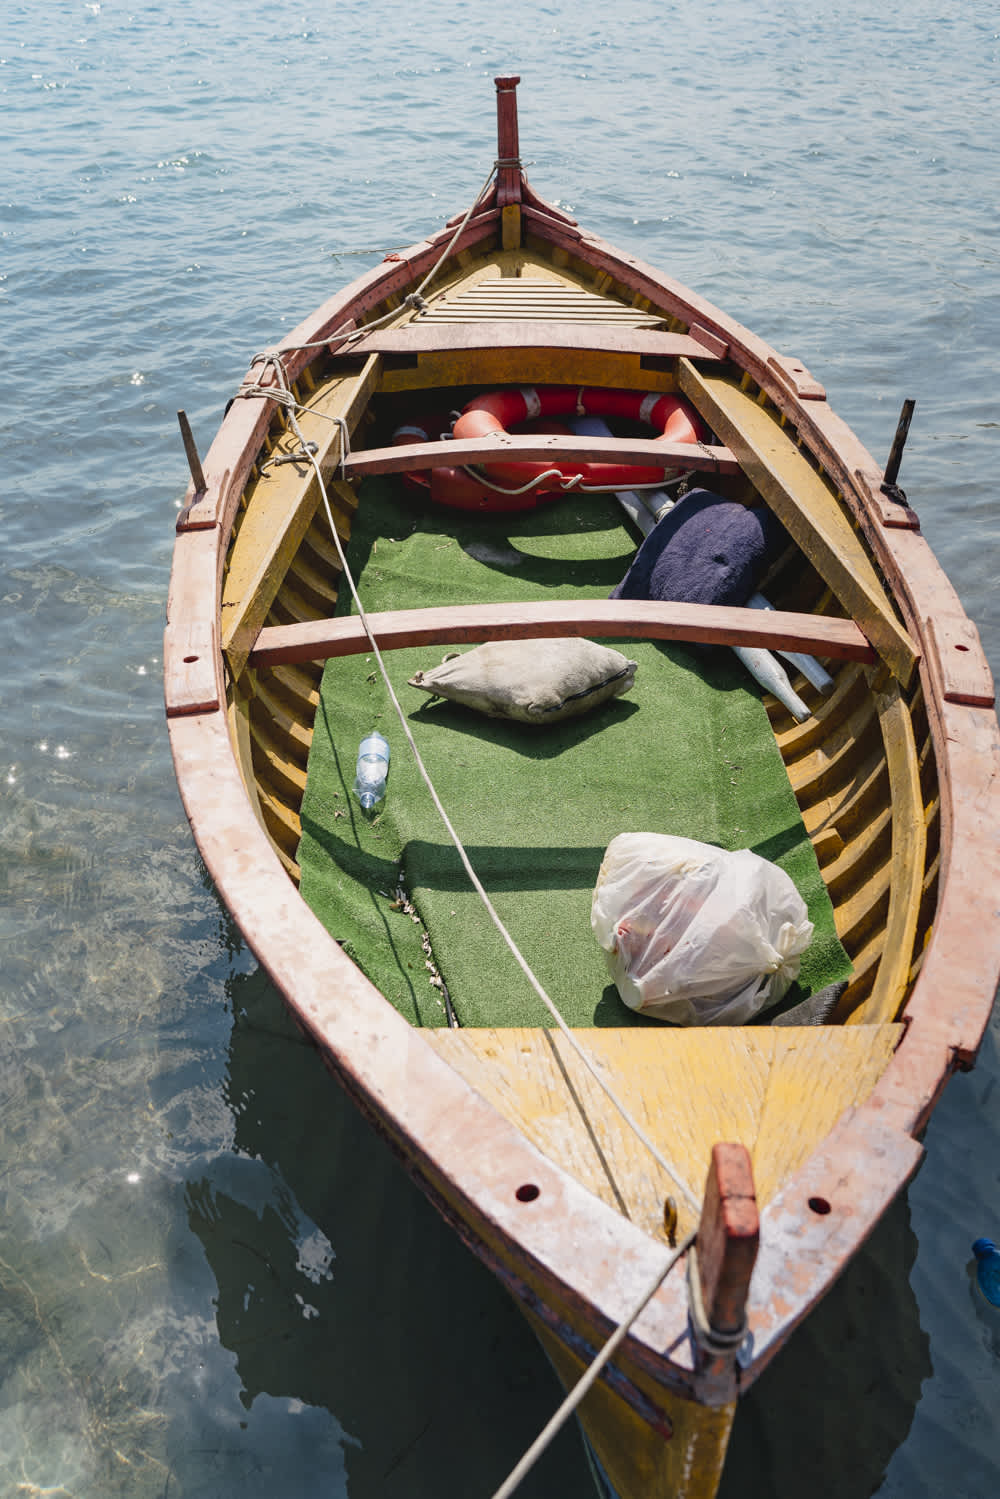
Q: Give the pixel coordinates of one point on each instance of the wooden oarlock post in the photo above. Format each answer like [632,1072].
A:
[191,449]
[508,163]
[720,1267]
[889,485]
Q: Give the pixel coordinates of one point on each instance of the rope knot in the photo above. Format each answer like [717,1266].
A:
[414,299]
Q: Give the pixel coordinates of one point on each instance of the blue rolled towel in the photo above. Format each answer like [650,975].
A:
[706,550]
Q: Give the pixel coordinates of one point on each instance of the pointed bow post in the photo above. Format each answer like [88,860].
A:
[719,1270]
[508,163]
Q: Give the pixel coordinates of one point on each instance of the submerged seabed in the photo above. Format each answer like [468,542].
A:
[214,1282]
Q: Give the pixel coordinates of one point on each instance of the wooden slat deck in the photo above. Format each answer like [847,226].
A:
[702,623]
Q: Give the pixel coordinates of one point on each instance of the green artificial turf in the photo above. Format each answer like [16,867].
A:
[689,750]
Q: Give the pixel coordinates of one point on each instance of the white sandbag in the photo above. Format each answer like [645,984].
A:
[534,681]
[696,935]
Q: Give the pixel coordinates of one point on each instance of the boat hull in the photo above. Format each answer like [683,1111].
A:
[896,776]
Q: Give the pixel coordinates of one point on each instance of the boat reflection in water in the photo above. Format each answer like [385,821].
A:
[339,1287]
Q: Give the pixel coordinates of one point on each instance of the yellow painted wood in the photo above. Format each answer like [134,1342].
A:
[805,504]
[239,734]
[639,1461]
[870,846]
[863,913]
[285,723]
[281,503]
[906,873]
[279,771]
[777,1090]
[527,367]
[470,271]
[283,824]
[798,739]
[510,226]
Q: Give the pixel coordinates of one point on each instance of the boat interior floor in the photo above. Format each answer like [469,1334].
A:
[689,750]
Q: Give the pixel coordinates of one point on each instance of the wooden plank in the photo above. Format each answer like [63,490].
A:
[804,503]
[280,512]
[643,619]
[540,447]
[191,675]
[795,375]
[433,335]
[957,661]
[506,366]
[908,860]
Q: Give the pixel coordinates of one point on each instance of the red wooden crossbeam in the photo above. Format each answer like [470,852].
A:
[706,624]
[539,448]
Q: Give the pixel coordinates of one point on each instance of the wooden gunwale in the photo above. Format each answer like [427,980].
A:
[468,1157]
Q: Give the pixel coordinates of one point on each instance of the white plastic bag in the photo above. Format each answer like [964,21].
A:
[694,934]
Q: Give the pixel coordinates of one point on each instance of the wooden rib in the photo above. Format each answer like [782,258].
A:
[280,507]
[776,1090]
[642,619]
[806,505]
[286,722]
[239,733]
[871,846]
[798,740]
[283,772]
[540,448]
[834,763]
[906,871]
[283,824]
[862,916]
[851,804]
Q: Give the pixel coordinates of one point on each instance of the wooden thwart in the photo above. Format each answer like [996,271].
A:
[539,448]
[705,624]
[437,335]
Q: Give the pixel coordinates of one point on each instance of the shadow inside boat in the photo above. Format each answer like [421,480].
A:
[339,1287]
[531,741]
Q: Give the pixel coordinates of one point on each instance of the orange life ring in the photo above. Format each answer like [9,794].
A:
[507,486]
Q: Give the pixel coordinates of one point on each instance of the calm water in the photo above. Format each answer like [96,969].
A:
[214,1283]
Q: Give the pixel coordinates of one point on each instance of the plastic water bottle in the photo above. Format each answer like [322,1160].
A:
[988,1269]
[371,771]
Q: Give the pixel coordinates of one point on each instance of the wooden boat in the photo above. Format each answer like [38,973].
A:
[801,1137]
